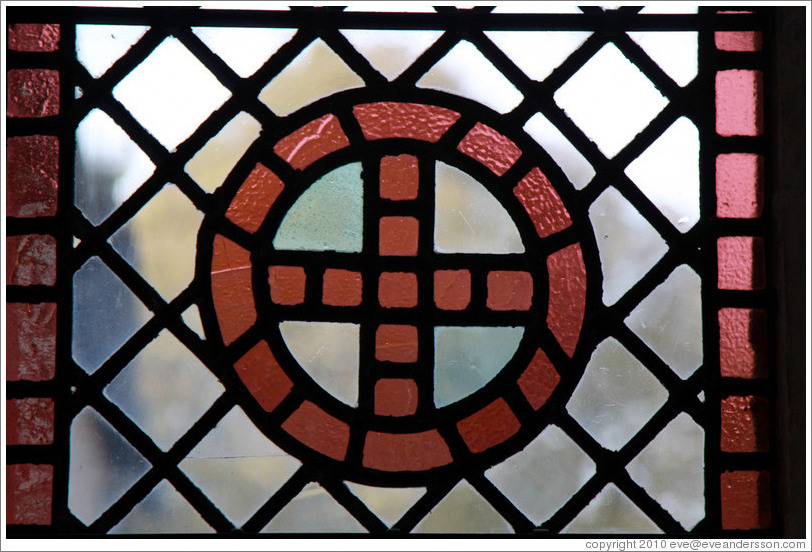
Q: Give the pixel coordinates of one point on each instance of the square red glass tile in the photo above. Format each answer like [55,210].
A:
[396,343]
[31,260]
[32,175]
[743,343]
[30,341]
[29,421]
[32,93]
[29,492]
[33,37]
[452,289]
[745,500]
[741,262]
[745,424]
[342,288]
[738,41]
[287,284]
[488,427]
[398,236]
[739,103]
[395,397]
[739,185]
[400,177]
[397,289]
[509,290]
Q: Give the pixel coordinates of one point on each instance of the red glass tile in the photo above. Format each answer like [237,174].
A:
[32,93]
[312,142]
[567,302]
[397,289]
[488,427]
[739,185]
[30,341]
[509,290]
[287,284]
[400,177]
[29,492]
[396,452]
[743,343]
[254,199]
[396,343]
[539,380]
[318,430]
[739,109]
[342,288]
[741,262]
[745,500]
[542,203]
[31,260]
[395,397]
[745,424]
[231,288]
[404,120]
[452,289]
[494,150]
[398,236]
[738,41]
[29,421]
[32,175]
[33,37]
[263,377]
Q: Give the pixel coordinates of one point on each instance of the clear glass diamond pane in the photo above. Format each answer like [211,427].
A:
[165,389]
[537,53]
[313,510]
[170,93]
[616,396]
[389,504]
[610,100]
[463,510]
[160,241]
[163,511]
[98,47]
[611,512]
[674,52]
[244,49]
[391,52]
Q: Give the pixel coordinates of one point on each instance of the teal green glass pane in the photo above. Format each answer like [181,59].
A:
[328,216]
[466,358]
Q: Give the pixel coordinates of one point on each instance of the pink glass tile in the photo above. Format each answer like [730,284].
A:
[254,199]
[32,175]
[739,185]
[404,120]
[33,93]
[745,424]
[743,343]
[739,109]
[30,341]
[567,302]
[741,262]
[745,500]
[31,260]
[738,41]
[313,141]
[542,203]
[489,147]
[33,37]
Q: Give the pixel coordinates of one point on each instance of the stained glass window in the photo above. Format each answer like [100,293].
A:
[323,270]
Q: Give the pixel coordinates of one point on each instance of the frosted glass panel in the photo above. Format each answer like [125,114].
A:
[245,49]
[99,46]
[313,510]
[611,512]
[328,216]
[163,511]
[463,510]
[390,52]
[389,504]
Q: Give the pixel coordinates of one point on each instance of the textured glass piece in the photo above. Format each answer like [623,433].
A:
[29,494]
[541,478]
[537,53]
[33,37]
[738,41]
[32,175]
[308,144]
[468,218]
[30,341]
[404,120]
[574,165]
[109,166]
[163,511]
[489,426]
[32,93]
[31,260]
[191,317]
[627,243]
[669,321]
[170,93]
[254,199]
[491,148]
[214,161]
[164,389]
[739,103]
[668,173]
[287,284]
[318,430]
[467,358]
[745,424]
[746,499]
[232,288]
[315,73]
[741,262]
[328,216]
[389,504]
[463,510]
[611,512]
[390,52]
[397,289]
[105,314]
[616,395]
[400,177]
[675,52]
[29,421]
[542,203]
[452,289]
[329,352]
[509,290]
[244,49]
[743,343]
[342,288]
[159,241]
[395,397]
[237,467]
[627,101]
[398,451]
[567,299]
[102,466]
[99,46]
[398,236]
[396,343]
[672,470]
[311,510]
[739,185]
[464,71]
